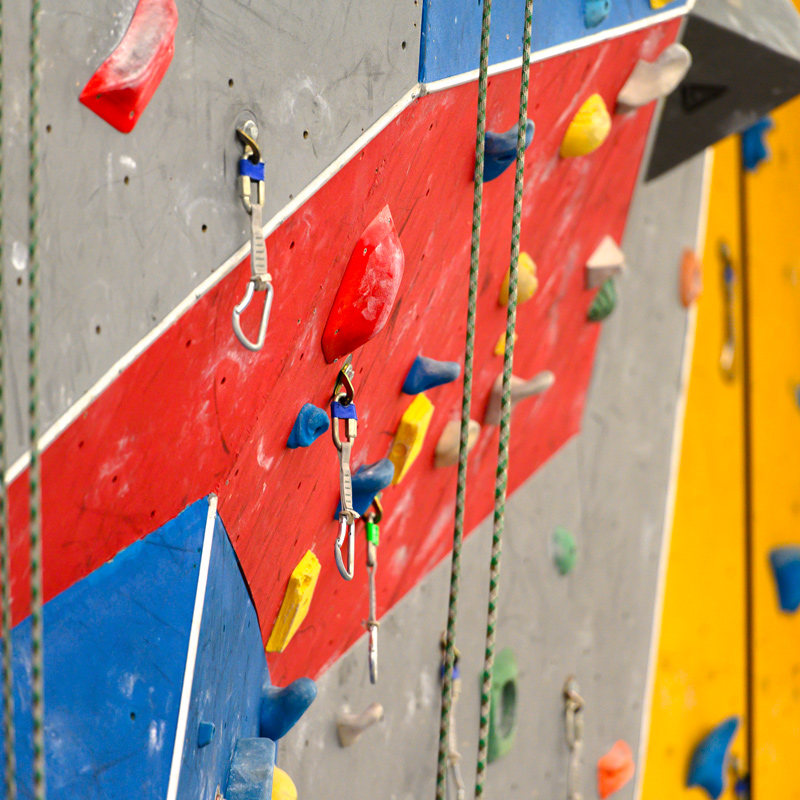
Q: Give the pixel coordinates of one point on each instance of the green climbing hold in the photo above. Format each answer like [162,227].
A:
[565,551]
[503,713]
[604,302]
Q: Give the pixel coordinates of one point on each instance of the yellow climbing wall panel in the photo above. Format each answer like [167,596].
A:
[773,216]
[700,677]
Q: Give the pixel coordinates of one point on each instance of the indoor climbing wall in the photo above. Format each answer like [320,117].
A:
[727,648]
[366,126]
[593,622]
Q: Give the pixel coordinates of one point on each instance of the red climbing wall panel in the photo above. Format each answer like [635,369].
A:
[197,413]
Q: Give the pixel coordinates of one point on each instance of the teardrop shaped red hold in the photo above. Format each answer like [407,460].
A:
[368,289]
[124,83]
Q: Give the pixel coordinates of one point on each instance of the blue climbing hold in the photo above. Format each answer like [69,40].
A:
[425,373]
[708,766]
[595,12]
[310,424]
[786,569]
[281,708]
[250,777]
[368,480]
[501,151]
[754,145]
[205,733]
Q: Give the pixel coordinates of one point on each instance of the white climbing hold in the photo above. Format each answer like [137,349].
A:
[606,262]
[446,453]
[350,726]
[651,80]
[520,389]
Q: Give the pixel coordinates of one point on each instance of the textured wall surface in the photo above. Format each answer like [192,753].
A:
[609,487]
[132,223]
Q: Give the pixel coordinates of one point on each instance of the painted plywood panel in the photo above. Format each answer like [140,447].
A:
[701,670]
[774,254]
[195,412]
[135,222]
[451,30]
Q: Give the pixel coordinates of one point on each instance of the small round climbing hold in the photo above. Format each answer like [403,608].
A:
[283,787]
[310,424]
[565,551]
[588,130]
[614,769]
[527,282]
[595,12]
[604,303]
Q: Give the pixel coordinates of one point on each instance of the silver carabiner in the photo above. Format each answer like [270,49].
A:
[239,309]
[346,525]
[252,190]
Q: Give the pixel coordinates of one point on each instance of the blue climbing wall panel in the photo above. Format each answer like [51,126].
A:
[228,676]
[114,657]
[451,30]
[116,649]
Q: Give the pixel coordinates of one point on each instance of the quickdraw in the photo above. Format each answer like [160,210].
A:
[343,408]
[253,193]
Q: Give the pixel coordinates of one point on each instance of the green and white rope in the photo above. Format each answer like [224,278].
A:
[466,402]
[9,738]
[34,324]
[501,480]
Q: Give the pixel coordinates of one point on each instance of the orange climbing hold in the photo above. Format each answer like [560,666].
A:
[124,83]
[614,769]
[691,277]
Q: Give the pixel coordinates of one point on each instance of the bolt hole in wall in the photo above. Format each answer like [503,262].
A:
[230,82]
[126,180]
[305,134]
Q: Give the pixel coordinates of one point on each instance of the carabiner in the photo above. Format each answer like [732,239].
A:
[346,526]
[237,312]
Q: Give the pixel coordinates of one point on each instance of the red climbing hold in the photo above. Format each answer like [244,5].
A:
[368,289]
[122,87]
[614,769]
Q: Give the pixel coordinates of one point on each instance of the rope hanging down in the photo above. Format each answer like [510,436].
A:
[466,402]
[501,481]
[34,310]
[9,744]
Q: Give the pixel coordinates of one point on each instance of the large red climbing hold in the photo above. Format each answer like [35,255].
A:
[122,87]
[368,289]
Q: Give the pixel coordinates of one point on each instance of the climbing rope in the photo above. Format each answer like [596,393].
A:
[34,310]
[10,762]
[501,479]
[466,402]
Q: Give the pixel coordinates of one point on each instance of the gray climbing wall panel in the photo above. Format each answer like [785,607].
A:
[316,75]
[609,486]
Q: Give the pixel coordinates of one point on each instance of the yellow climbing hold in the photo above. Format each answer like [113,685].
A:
[588,130]
[500,347]
[283,787]
[410,435]
[527,282]
[659,3]
[296,603]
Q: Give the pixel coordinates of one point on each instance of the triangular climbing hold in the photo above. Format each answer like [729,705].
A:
[606,262]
